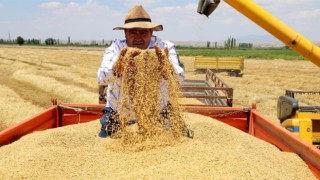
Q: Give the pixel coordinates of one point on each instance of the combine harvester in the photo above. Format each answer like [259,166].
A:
[302,120]
[248,120]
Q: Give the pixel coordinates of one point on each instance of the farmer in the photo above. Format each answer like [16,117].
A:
[138,29]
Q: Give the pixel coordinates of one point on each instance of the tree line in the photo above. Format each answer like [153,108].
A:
[49,41]
[229,43]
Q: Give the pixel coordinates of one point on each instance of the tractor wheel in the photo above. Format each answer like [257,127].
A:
[233,74]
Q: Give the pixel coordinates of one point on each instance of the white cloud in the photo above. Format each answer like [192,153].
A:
[283,3]
[1,5]
[50,5]
[175,13]
[88,20]
[145,3]
[90,8]
[281,8]
[306,14]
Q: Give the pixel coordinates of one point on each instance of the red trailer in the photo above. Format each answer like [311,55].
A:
[248,120]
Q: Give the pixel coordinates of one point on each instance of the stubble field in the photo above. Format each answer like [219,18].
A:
[31,77]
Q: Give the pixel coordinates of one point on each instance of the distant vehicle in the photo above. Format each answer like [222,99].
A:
[232,65]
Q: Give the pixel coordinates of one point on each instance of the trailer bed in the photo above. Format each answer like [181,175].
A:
[211,91]
[248,120]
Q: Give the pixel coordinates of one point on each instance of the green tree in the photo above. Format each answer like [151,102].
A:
[230,43]
[50,41]
[20,40]
[245,45]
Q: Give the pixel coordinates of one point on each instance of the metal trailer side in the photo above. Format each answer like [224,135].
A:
[248,120]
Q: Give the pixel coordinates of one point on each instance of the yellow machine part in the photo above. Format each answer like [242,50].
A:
[306,125]
[300,127]
[278,29]
[314,118]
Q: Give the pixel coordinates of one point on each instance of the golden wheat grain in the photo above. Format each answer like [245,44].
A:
[217,151]
[142,72]
[52,86]
[11,113]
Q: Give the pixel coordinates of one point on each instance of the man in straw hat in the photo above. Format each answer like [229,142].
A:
[138,29]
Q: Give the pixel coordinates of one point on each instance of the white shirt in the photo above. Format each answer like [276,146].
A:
[105,72]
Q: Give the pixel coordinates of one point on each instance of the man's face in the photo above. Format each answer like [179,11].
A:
[139,38]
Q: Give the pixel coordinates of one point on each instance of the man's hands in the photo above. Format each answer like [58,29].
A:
[162,57]
[130,66]
[118,68]
[132,69]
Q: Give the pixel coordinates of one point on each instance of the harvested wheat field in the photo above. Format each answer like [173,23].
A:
[216,152]
[263,81]
[32,76]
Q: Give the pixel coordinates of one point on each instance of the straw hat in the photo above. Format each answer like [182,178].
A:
[137,17]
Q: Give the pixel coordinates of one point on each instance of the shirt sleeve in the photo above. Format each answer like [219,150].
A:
[105,72]
[173,58]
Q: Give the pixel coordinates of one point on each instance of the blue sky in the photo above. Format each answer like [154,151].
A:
[95,19]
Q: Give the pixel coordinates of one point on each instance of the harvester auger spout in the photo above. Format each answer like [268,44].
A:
[270,23]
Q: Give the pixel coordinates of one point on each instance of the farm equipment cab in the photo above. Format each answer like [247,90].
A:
[303,121]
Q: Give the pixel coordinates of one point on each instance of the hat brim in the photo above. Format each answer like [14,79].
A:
[145,25]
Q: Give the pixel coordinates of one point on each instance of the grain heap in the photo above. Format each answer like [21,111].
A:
[142,73]
[217,151]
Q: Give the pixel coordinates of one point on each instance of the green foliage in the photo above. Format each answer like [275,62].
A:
[230,43]
[33,42]
[245,45]
[50,41]
[20,40]
[4,41]
[253,53]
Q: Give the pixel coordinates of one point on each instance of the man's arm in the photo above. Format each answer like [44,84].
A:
[105,72]
[173,58]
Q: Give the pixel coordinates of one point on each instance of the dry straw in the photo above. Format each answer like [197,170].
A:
[10,113]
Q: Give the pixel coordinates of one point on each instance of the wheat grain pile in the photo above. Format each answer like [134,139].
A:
[142,73]
[216,152]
